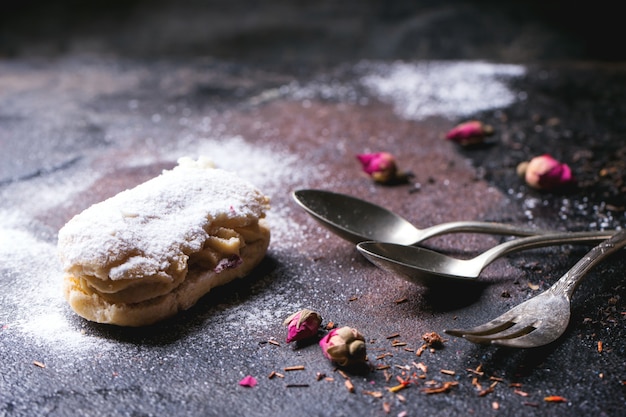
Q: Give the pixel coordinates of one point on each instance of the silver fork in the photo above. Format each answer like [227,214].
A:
[543,318]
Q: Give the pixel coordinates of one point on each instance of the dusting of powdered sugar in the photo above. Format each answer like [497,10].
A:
[268,168]
[32,303]
[449,89]
[415,90]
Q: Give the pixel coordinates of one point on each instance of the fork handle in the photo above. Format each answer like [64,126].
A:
[540,241]
[568,283]
[472,226]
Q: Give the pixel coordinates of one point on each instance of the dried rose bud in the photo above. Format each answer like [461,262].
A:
[433,339]
[302,325]
[345,346]
[470,133]
[545,173]
[381,166]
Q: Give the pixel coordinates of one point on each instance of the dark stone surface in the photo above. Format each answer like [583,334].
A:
[95,100]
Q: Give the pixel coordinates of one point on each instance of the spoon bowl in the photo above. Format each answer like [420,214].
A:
[357,220]
[419,265]
[430,268]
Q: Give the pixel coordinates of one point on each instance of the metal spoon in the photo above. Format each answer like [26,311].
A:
[430,268]
[357,220]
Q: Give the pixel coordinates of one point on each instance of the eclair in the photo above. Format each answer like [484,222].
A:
[151,251]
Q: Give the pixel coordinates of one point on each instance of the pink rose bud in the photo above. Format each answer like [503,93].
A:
[302,325]
[545,173]
[381,166]
[344,346]
[470,133]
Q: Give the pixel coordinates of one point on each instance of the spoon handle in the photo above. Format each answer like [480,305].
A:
[477,227]
[568,283]
[539,241]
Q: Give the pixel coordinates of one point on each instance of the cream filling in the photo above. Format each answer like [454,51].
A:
[146,280]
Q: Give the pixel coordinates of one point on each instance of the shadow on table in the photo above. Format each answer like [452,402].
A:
[189,321]
[514,364]
[445,298]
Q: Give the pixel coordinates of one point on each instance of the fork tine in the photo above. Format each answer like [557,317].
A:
[530,340]
[494,326]
[518,330]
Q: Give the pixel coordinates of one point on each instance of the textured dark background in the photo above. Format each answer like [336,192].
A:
[109,93]
[281,31]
